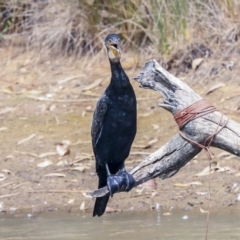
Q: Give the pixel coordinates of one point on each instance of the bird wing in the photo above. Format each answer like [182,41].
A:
[98,118]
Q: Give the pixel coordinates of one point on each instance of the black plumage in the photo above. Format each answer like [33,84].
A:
[114,128]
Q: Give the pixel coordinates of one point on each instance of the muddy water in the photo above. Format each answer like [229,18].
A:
[152,225]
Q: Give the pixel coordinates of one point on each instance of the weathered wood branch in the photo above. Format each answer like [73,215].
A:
[172,156]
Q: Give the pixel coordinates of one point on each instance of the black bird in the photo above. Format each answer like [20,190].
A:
[114,128]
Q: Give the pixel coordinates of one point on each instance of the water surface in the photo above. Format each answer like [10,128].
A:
[135,226]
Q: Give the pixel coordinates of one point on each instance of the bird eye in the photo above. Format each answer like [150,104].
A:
[110,41]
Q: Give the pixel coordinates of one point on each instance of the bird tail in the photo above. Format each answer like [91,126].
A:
[101,202]
[100,206]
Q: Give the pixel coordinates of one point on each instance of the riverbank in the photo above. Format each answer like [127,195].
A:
[47,163]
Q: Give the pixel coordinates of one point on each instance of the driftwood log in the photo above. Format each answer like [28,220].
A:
[172,156]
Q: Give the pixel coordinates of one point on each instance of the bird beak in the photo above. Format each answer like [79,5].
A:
[114,49]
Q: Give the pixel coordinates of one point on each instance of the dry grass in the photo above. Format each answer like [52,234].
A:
[173,32]
[79,26]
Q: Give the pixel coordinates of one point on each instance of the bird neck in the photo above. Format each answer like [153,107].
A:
[119,78]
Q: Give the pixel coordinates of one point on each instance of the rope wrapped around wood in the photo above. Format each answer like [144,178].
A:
[196,110]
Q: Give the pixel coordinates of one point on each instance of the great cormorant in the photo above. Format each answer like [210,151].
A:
[114,128]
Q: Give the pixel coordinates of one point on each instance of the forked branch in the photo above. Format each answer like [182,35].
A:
[172,156]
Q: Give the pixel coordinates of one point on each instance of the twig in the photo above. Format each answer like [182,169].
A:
[6,184]
[69,79]
[57,191]
[17,186]
[42,155]
[80,142]
[26,139]
[139,153]
[9,195]
[44,99]
[80,159]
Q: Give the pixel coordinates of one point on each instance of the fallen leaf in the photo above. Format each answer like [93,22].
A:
[12,209]
[52,108]
[7,171]
[186,184]
[71,201]
[63,148]
[215,87]
[55,175]
[167,214]
[9,157]
[23,70]
[3,129]
[196,63]
[82,207]
[80,168]
[229,65]
[2,177]
[110,210]
[202,210]
[151,142]
[238,197]
[8,90]
[44,164]
[155,126]
[202,193]
[181,185]
[153,194]
[62,163]
[89,109]
[139,191]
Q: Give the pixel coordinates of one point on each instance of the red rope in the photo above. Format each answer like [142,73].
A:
[196,110]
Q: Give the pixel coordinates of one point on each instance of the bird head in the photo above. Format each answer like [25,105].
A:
[112,42]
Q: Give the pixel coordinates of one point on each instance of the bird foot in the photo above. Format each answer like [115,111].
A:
[113,183]
[122,181]
[128,180]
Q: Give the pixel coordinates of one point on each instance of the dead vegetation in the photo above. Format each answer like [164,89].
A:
[80,26]
[182,35]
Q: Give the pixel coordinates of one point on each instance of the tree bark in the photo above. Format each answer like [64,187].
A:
[172,156]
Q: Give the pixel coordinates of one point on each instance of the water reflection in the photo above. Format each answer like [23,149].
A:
[139,226]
